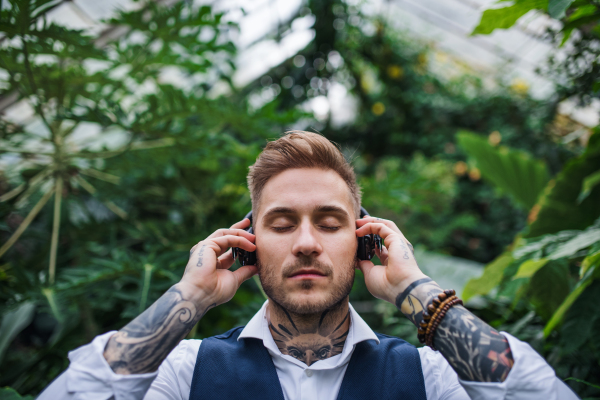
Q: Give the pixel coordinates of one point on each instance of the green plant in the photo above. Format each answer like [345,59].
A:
[124,237]
[515,173]
[553,266]
[576,72]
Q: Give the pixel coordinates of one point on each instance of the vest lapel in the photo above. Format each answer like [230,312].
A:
[388,370]
[230,369]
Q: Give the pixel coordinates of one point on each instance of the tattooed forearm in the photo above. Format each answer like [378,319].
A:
[475,350]
[415,298]
[145,342]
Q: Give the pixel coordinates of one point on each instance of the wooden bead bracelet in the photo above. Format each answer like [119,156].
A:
[433,315]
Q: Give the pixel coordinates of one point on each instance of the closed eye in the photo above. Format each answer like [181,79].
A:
[281,228]
[331,228]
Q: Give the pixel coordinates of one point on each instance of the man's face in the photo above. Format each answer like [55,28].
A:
[306,241]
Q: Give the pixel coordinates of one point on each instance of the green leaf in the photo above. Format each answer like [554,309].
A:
[492,276]
[588,262]
[14,322]
[530,267]
[557,8]
[8,393]
[504,18]
[579,242]
[583,11]
[566,35]
[588,184]
[577,327]
[559,314]
[582,381]
[558,206]
[513,172]
[548,288]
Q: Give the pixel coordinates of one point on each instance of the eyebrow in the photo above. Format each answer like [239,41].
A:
[332,209]
[278,210]
[319,209]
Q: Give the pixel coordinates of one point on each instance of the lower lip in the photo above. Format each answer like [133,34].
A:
[307,276]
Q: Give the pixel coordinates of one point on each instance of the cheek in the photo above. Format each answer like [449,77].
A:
[343,247]
[270,250]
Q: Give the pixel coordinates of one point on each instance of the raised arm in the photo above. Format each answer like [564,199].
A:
[475,350]
[143,344]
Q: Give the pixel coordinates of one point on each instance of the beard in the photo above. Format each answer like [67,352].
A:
[339,289]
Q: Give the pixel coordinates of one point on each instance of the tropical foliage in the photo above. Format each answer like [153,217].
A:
[136,144]
[549,274]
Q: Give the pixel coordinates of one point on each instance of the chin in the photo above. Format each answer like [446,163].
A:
[309,303]
[307,296]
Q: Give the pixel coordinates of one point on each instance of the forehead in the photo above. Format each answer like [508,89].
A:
[304,189]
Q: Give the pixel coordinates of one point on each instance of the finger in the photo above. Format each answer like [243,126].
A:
[366,266]
[234,232]
[243,224]
[224,242]
[382,254]
[225,261]
[376,228]
[387,222]
[244,273]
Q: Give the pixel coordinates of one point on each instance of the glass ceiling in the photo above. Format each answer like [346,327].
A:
[513,54]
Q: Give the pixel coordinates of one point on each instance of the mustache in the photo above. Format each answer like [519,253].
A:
[303,262]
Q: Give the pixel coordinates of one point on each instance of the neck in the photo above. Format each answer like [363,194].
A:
[309,337]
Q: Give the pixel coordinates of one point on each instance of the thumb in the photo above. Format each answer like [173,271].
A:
[365,266]
[244,273]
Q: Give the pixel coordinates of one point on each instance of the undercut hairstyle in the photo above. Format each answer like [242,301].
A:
[299,149]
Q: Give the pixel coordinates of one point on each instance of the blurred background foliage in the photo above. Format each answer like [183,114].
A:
[124,169]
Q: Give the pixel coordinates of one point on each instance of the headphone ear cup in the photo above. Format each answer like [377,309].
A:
[361,251]
[244,257]
[366,246]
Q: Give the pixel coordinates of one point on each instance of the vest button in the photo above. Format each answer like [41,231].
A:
[308,372]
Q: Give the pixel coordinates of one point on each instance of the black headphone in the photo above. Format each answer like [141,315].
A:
[365,251]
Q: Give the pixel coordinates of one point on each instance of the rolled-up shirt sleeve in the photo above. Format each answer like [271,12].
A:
[90,377]
[530,378]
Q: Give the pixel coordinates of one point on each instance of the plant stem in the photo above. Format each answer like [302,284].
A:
[32,214]
[146,286]
[55,229]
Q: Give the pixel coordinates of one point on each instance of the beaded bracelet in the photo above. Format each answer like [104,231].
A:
[438,319]
[434,314]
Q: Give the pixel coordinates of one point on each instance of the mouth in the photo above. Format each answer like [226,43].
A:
[307,273]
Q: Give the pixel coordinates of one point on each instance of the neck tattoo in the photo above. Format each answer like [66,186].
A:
[310,338]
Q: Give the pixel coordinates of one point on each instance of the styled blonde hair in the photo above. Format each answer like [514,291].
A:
[300,149]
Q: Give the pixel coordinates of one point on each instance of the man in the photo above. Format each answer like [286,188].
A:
[306,342]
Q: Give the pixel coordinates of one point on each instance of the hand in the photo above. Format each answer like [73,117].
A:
[207,271]
[399,267]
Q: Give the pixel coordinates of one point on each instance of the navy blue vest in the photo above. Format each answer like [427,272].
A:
[230,370]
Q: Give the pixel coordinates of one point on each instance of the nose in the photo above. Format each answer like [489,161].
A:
[306,242]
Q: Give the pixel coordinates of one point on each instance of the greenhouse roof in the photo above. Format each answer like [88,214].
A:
[514,54]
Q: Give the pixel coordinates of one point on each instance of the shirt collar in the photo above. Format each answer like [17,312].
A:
[258,328]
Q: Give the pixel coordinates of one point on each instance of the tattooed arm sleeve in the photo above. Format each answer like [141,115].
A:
[475,350]
[143,344]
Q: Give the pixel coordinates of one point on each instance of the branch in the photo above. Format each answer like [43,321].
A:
[94,173]
[33,85]
[32,214]
[149,144]
[109,204]
[55,229]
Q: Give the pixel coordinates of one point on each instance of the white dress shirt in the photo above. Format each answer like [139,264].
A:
[90,377]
